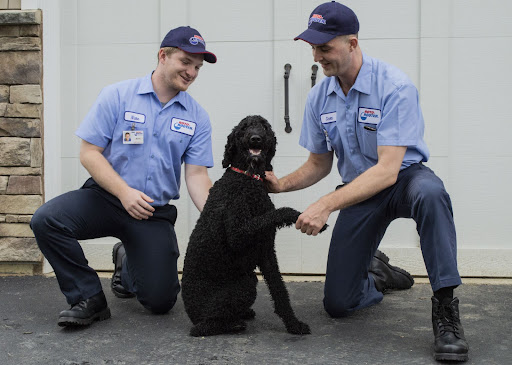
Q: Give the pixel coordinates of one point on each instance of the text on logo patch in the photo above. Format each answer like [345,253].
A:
[316,18]
[196,39]
[369,116]
[183,126]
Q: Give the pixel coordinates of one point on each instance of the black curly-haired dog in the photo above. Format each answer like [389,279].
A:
[235,234]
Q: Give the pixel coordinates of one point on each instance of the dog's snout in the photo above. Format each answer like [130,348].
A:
[255,138]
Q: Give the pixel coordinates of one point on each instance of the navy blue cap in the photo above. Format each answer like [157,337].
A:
[328,21]
[188,40]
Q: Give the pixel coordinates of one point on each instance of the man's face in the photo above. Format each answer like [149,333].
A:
[181,69]
[333,56]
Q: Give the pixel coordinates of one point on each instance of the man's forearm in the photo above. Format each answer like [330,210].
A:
[198,184]
[369,183]
[314,169]
[102,172]
[366,185]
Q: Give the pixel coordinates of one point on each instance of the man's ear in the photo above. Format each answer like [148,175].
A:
[353,43]
[161,55]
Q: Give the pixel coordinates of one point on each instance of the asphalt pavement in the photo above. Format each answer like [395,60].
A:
[396,331]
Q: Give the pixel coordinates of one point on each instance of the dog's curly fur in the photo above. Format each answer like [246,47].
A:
[235,234]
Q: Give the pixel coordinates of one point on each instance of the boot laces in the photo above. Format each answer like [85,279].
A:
[81,304]
[448,318]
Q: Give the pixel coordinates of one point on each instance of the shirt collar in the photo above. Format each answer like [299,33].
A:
[146,87]
[363,82]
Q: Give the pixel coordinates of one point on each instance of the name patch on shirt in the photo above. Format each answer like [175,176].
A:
[183,126]
[328,118]
[134,117]
[369,116]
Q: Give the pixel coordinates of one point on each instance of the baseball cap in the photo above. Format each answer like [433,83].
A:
[188,40]
[327,21]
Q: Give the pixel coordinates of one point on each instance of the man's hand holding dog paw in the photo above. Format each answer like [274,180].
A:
[312,220]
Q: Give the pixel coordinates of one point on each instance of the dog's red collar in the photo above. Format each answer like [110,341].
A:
[257,177]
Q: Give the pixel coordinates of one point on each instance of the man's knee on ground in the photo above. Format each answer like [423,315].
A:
[159,304]
[338,307]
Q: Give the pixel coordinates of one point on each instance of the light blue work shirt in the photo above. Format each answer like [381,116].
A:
[178,132]
[381,109]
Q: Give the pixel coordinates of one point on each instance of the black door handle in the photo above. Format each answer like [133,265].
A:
[287,69]
[314,68]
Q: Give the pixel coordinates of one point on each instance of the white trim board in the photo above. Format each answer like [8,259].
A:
[472,262]
[494,263]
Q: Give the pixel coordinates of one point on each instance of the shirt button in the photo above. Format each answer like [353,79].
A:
[155,134]
[351,151]
[152,156]
[149,178]
[347,107]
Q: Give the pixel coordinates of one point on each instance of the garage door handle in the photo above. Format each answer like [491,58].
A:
[314,68]
[287,69]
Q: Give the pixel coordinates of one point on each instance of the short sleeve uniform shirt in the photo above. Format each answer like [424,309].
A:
[177,132]
[381,109]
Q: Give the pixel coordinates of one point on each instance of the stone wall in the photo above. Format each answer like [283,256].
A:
[21,132]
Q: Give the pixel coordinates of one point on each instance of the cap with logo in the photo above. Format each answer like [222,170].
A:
[328,21]
[188,40]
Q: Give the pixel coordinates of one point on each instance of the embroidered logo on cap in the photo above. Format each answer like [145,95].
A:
[196,39]
[317,18]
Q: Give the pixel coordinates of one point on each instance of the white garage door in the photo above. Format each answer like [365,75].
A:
[106,41]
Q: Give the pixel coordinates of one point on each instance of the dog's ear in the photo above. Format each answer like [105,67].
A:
[229,150]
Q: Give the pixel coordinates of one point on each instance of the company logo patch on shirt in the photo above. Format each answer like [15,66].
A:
[369,116]
[134,117]
[328,118]
[183,126]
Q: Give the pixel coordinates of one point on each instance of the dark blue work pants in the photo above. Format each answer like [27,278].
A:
[150,266]
[418,194]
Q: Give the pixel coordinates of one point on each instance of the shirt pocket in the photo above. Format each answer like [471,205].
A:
[367,136]
[177,142]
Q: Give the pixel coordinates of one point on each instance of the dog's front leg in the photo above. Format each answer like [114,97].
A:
[275,218]
[240,228]
[282,307]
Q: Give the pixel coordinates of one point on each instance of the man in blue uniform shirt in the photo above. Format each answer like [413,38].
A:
[367,113]
[134,141]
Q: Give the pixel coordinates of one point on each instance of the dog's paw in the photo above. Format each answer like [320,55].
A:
[212,328]
[287,216]
[298,328]
[249,314]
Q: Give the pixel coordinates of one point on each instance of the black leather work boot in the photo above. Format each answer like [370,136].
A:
[118,254]
[387,276]
[450,343]
[85,312]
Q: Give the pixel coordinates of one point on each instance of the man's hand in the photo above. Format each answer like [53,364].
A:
[313,219]
[272,182]
[136,203]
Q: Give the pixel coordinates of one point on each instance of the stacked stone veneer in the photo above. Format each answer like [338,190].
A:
[21,147]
